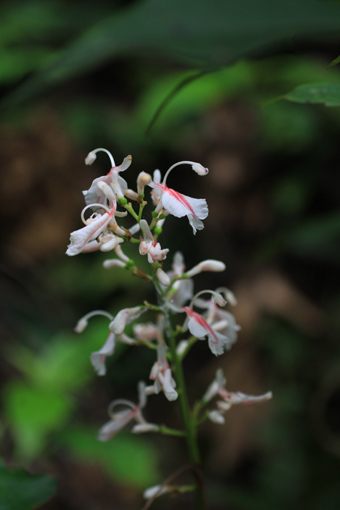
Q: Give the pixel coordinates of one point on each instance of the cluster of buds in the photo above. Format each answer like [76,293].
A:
[174,289]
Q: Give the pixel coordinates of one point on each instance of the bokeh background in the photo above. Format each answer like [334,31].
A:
[79,75]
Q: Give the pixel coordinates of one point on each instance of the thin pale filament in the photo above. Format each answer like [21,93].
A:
[173,166]
[212,292]
[102,206]
[108,153]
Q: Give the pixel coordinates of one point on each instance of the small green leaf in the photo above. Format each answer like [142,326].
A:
[326,93]
[21,491]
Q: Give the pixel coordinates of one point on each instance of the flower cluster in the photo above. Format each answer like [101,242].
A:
[175,295]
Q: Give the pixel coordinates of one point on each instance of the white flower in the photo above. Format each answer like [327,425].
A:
[196,209]
[200,328]
[161,374]
[175,203]
[230,399]
[124,317]
[121,418]
[94,194]
[220,320]
[217,387]
[150,246]
[95,225]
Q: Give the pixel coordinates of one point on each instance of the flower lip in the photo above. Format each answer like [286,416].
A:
[200,320]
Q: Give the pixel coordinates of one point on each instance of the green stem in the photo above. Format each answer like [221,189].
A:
[189,426]
[170,432]
[130,209]
[141,207]
[192,340]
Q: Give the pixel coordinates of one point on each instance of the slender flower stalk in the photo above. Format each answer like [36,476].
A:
[166,337]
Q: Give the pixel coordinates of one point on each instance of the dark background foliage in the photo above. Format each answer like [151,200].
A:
[208,81]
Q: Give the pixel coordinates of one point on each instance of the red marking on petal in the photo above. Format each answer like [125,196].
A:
[177,196]
[201,321]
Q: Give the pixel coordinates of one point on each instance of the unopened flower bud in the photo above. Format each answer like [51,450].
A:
[108,264]
[143,247]
[143,180]
[163,277]
[199,169]
[134,229]
[155,491]
[81,325]
[140,428]
[131,195]
[90,158]
[216,417]
[229,295]
[206,265]
[111,244]
[119,252]
[106,189]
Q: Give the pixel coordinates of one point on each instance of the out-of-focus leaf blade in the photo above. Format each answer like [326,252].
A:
[196,32]
[32,414]
[21,491]
[335,62]
[326,93]
[128,458]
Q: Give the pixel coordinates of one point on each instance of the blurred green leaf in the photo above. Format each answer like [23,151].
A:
[64,363]
[204,92]
[127,458]
[334,62]
[326,93]
[32,414]
[21,491]
[197,32]
[21,22]
[14,64]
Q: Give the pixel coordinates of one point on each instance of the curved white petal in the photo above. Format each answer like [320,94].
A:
[218,343]
[197,329]
[168,387]
[98,358]
[79,238]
